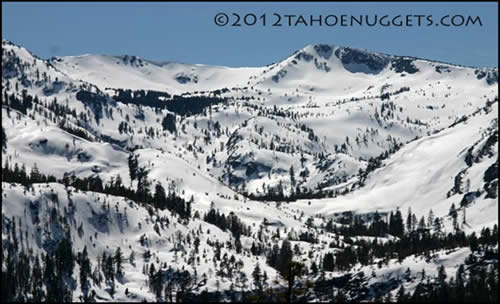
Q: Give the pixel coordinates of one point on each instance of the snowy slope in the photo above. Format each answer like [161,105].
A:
[313,123]
[137,73]
[337,93]
[421,173]
[107,223]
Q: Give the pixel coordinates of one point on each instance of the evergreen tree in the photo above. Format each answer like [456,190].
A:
[314,268]
[160,197]
[453,211]
[133,164]
[64,256]
[460,283]
[118,259]
[473,242]
[443,286]
[285,257]
[328,262]
[437,226]
[257,277]
[131,258]
[409,221]
[421,223]
[292,176]
[4,139]
[401,295]
[85,268]
[169,124]
[35,175]
[396,226]
[36,282]
[430,218]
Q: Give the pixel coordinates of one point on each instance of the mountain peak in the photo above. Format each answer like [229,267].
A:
[353,59]
[326,50]
[169,169]
[349,55]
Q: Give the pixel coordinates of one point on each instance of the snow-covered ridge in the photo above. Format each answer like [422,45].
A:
[326,50]
[291,149]
[376,101]
[133,72]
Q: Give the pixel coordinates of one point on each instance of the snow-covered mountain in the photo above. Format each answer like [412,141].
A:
[137,73]
[294,154]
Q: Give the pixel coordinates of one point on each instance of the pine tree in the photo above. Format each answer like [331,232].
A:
[35,175]
[292,176]
[118,181]
[85,268]
[285,257]
[64,257]
[37,282]
[143,192]
[328,262]
[430,218]
[437,226]
[409,221]
[133,164]
[421,223]
[257,277]
[453,211]
[314,268]
[118,259]
[169,123]
[160,197]
[4,139]
[396,226]
[109,271]
[413,222]
[401,295]
[443,286]
[131,258]
[264,279]
[473,242]
[460,283]
[492,281]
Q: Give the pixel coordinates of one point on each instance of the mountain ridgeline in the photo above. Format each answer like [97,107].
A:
[335,174]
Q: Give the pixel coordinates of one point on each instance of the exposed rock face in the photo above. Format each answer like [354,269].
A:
[374,62]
